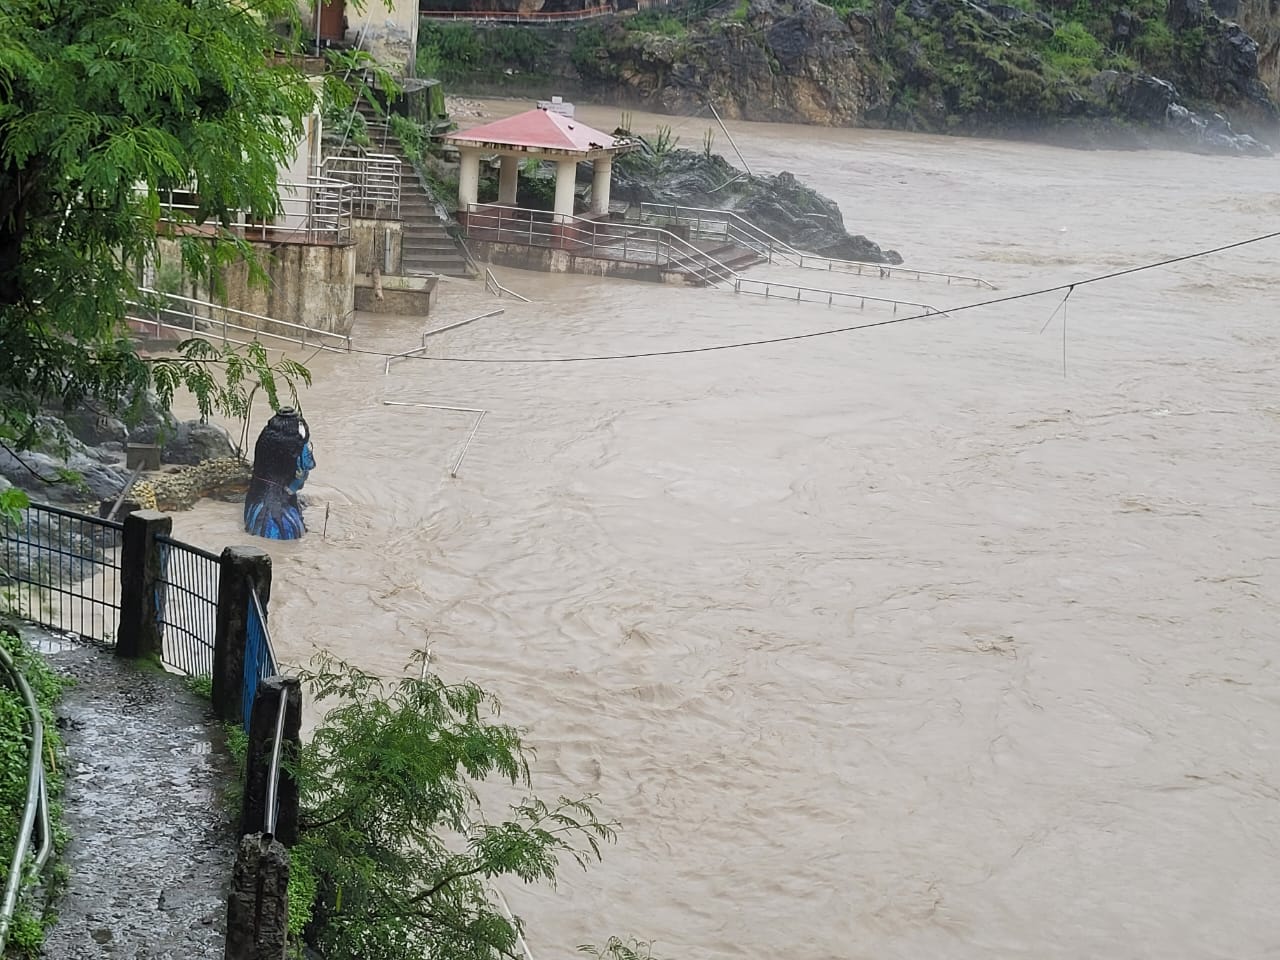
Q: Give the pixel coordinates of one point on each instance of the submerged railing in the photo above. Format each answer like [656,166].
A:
[159,311]
[707,223]
[35,809]
[492,285]
[626,242]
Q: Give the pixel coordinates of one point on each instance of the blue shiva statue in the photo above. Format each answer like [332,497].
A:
[282,459]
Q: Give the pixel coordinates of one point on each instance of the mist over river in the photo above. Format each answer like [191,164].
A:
[892,644]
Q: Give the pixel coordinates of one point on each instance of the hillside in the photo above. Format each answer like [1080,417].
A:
[1185,73]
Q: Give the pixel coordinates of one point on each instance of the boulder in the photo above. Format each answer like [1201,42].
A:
[780,205]
[186,442]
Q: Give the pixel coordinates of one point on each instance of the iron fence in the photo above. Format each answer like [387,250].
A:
[61,569]
[259,658]
[187,604]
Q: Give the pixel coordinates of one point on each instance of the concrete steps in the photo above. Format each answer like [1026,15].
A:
[426,247]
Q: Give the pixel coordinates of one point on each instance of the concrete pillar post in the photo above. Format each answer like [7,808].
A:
[468,178]
[508,178]
[240,570]
[262,734]
[601,181]
[258,902]
[141,632]
[566,175]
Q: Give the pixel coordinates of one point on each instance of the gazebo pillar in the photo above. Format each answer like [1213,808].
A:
[566,176]
[601,181]
[508,178]
[468,178]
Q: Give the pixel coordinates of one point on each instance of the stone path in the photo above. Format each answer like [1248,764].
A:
[152,844]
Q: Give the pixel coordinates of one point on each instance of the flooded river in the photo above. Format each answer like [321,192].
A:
[893,644]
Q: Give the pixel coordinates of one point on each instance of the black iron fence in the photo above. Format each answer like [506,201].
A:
[187,605]
[61,569]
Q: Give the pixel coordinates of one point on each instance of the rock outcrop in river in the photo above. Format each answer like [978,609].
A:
[1182,73]
[780,205]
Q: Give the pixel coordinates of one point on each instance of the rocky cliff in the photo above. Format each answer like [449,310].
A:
[1183,73]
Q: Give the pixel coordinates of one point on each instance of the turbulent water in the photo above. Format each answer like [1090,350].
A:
[894,644]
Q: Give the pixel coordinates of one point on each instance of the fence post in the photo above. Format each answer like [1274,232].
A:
[258,902]
[262,733]
[240,570]
[141,572]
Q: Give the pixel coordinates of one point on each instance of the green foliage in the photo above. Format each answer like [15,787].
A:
[664,141]
[452,51]
[412,135]
[1073,49]
[201,686]
[105,108]
[741,11]
[1154,42]
[851,6]
[27,933]
[590,47]
[392,831]
[12,502]
[652,21]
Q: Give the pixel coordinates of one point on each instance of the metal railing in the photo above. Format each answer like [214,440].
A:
[211,321]
[492,285]
[318,211]
[259,657]
[35,810]
[187,601]
[602,239]
[374,179]
[729,226]
[61,569]
[632,244]
[478,412]
[513,16]
[272,804]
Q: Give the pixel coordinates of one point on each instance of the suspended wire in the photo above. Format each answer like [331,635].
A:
[790,338]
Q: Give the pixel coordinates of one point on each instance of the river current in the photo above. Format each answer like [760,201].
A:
[908,642]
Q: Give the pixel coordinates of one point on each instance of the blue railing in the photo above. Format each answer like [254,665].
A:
[259,658]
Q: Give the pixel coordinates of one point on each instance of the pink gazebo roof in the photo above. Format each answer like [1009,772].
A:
[540,130]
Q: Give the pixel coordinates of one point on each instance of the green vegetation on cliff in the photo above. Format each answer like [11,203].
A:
[935,65]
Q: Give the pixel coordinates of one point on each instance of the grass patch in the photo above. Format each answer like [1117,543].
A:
[30,920]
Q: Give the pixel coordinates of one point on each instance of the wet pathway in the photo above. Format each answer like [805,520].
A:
[151,840]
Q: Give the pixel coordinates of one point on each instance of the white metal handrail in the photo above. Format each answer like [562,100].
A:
[654,246]
[318,211]
[491,283]
[597,238]
[375,181]
[737,229]
[35,810]
[479,412]
[201,318]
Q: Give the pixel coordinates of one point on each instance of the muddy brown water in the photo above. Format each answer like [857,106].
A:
[893,644]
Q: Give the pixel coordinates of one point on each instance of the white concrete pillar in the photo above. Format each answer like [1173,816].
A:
[508,177]
[601,181]
[468,178]
[566,175]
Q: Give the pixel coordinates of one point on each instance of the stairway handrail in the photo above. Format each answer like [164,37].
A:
[798,257]
[586,225]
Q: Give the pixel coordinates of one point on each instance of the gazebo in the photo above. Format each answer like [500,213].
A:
[541,134]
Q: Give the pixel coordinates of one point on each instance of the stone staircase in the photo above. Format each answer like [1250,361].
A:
[427,247]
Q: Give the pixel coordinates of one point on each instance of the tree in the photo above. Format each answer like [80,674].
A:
[104,107]
[394,857]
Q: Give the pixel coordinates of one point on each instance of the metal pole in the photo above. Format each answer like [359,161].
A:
[731,140]
[273,771]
